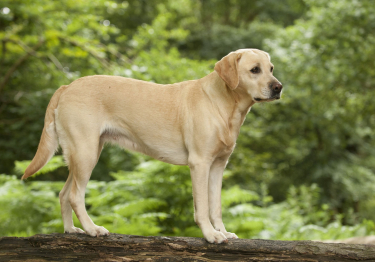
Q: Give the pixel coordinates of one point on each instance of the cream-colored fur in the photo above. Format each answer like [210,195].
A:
[193,123]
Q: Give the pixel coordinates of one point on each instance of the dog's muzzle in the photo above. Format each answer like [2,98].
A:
[276,88]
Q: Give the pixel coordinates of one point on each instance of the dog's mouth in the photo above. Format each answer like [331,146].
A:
[275,97]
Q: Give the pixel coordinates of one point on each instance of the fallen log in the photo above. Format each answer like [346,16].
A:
[117,247]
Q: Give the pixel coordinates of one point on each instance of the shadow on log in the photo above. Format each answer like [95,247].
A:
[116,247]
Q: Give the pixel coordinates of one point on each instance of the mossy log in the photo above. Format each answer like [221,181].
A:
[117,247]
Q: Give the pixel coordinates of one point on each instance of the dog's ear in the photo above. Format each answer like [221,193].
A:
[227,69]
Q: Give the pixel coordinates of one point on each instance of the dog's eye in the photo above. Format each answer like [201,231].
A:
[271,69]
[255,70]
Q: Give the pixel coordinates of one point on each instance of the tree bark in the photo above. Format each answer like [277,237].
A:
[116,247]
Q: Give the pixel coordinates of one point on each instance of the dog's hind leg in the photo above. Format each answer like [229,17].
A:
[81,163]
[66,209]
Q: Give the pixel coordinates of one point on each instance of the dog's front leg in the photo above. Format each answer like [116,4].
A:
[199,170]
[214,196]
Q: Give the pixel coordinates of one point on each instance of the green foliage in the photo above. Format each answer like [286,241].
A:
[25,207]
[156,199]
[53,164]
[320,133]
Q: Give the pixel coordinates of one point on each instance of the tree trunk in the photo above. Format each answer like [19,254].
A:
[116,247]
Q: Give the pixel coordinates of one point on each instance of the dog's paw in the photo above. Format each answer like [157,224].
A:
[97,231]
[216,237]
[230,235]
[73,230]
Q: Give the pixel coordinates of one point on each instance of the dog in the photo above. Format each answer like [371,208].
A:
[194,123]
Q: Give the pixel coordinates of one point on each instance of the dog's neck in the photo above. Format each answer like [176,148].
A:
[233,105]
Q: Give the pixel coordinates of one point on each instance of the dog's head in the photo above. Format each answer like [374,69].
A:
[252,71]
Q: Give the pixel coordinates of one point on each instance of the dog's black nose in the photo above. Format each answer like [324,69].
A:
[277,87]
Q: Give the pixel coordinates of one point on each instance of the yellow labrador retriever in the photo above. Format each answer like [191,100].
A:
[194,123]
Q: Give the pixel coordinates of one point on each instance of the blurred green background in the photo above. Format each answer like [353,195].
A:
[303,168]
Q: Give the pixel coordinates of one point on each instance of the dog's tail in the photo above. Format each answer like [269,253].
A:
[48,142]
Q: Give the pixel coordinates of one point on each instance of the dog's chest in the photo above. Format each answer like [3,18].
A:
[228,136]
[226,150]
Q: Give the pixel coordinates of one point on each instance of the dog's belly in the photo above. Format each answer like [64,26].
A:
[175,157]
[169,151]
